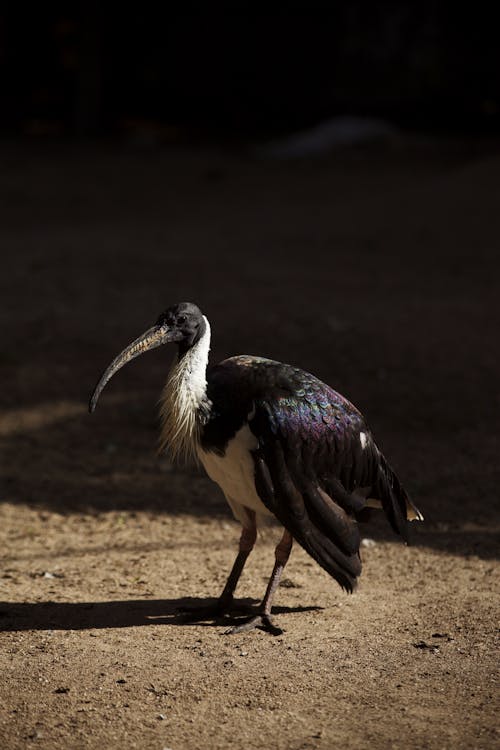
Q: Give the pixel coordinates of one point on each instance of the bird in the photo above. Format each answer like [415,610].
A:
[279,442]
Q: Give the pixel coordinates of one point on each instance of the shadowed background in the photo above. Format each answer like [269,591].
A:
[324,183]
[146,160]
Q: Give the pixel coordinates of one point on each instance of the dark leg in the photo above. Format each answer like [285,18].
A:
[223,604]
[263,619]
[247,541]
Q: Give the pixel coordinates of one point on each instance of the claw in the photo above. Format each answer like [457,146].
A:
[262,621]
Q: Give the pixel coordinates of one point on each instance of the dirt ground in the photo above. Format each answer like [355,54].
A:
[375,268]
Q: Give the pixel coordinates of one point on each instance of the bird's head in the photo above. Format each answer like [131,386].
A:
[183,324]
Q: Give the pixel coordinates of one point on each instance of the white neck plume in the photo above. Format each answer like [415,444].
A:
[184,393]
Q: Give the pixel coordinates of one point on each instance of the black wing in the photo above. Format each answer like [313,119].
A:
[316,461]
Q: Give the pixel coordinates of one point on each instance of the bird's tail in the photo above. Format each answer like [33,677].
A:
[397,506]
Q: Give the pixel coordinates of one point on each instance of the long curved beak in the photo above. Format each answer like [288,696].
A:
[151,339]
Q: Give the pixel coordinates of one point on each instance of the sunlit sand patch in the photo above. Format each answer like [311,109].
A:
[36,417]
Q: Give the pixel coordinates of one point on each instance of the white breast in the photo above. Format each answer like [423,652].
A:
[234,473]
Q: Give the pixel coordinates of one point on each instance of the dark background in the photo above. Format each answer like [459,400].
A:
[83,69]
[130,180]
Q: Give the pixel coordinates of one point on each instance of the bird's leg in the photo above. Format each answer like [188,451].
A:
[247,541]
[225,600]
[263,618]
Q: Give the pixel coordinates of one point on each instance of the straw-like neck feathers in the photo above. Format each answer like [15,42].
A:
[184,400]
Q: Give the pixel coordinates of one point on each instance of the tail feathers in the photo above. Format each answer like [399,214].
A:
[412,512]
[344,568]
[397,505]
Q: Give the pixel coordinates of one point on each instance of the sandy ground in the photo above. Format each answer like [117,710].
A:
[376,269]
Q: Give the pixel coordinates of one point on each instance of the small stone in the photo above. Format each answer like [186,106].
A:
[432,647]
[287,583]
[368,542]
[443,635]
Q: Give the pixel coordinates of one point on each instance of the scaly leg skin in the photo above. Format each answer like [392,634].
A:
[225,600]
[263,619]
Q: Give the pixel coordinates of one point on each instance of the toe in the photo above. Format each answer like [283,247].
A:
[262,622]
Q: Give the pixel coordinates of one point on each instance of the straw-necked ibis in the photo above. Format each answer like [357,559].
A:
[278,442]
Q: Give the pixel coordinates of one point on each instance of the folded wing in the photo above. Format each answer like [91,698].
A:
[316,464]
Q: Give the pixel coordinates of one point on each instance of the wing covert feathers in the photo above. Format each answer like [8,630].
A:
[316,462]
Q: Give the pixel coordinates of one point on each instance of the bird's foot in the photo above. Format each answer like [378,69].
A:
[262,622]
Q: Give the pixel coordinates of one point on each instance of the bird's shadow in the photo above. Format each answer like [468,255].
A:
[183,611]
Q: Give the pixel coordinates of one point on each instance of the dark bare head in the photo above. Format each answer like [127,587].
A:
[182,324]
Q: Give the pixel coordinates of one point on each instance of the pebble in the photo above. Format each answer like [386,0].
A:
[368,542]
